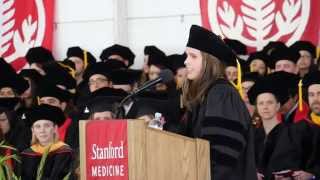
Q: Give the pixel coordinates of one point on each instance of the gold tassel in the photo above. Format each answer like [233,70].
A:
[85,58]
[318,53]
[300,95]
[239,80]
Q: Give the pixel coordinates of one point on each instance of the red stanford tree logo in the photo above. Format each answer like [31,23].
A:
[24,24]
[256,22]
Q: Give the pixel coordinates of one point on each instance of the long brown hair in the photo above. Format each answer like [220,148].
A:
[194,91]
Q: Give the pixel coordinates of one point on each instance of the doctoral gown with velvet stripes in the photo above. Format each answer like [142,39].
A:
[57,166]
[224,120]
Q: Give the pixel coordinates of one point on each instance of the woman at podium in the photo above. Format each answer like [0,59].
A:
[216,110]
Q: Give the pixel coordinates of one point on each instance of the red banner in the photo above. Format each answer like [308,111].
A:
[107,150]
[24,24]
[255,23]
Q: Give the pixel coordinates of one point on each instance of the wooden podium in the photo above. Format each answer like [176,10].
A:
[154,154]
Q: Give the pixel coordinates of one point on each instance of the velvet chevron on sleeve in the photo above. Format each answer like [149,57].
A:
[223,119]
[227,137]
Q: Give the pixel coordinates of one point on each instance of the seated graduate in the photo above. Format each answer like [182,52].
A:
[103,103]
[102,108]
[305,138]
[44,121]
[282,151]
[6,150]
[267,99]
[12,128]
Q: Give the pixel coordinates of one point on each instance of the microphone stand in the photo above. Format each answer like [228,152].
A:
[120,113]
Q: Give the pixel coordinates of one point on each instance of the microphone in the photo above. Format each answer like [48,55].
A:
[165,76]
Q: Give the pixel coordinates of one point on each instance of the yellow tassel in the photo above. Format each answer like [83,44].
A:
[300,95]
[234,85]
[318,52]
[239,81]
[85,58]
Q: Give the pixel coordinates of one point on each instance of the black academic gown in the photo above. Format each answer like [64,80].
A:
[58,164]
[299,149]
[72,133]
[265,146]
[224,120]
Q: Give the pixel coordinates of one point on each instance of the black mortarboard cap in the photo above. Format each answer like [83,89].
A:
[106,92]
[76,51]
[153,50]
[56,74]
[104,99]
[206,41]
[238,47]
[114,64]
[311,78]
[251,76]
[125,76]
[281,84]
[284,54]
[120,50]
[32,74]
[265,86]
[45,112]
[158,60]
[9,103]
[39,55]
[46,89]
[176,61]
[9,78]
[273,45]
[304,45]
[102,103]
[259,55]
[97,68]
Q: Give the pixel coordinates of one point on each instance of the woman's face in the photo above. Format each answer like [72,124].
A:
[181,76]
[305,60]
[267,106]
[193,63]
[154,72]
[4,123]
[44,131]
